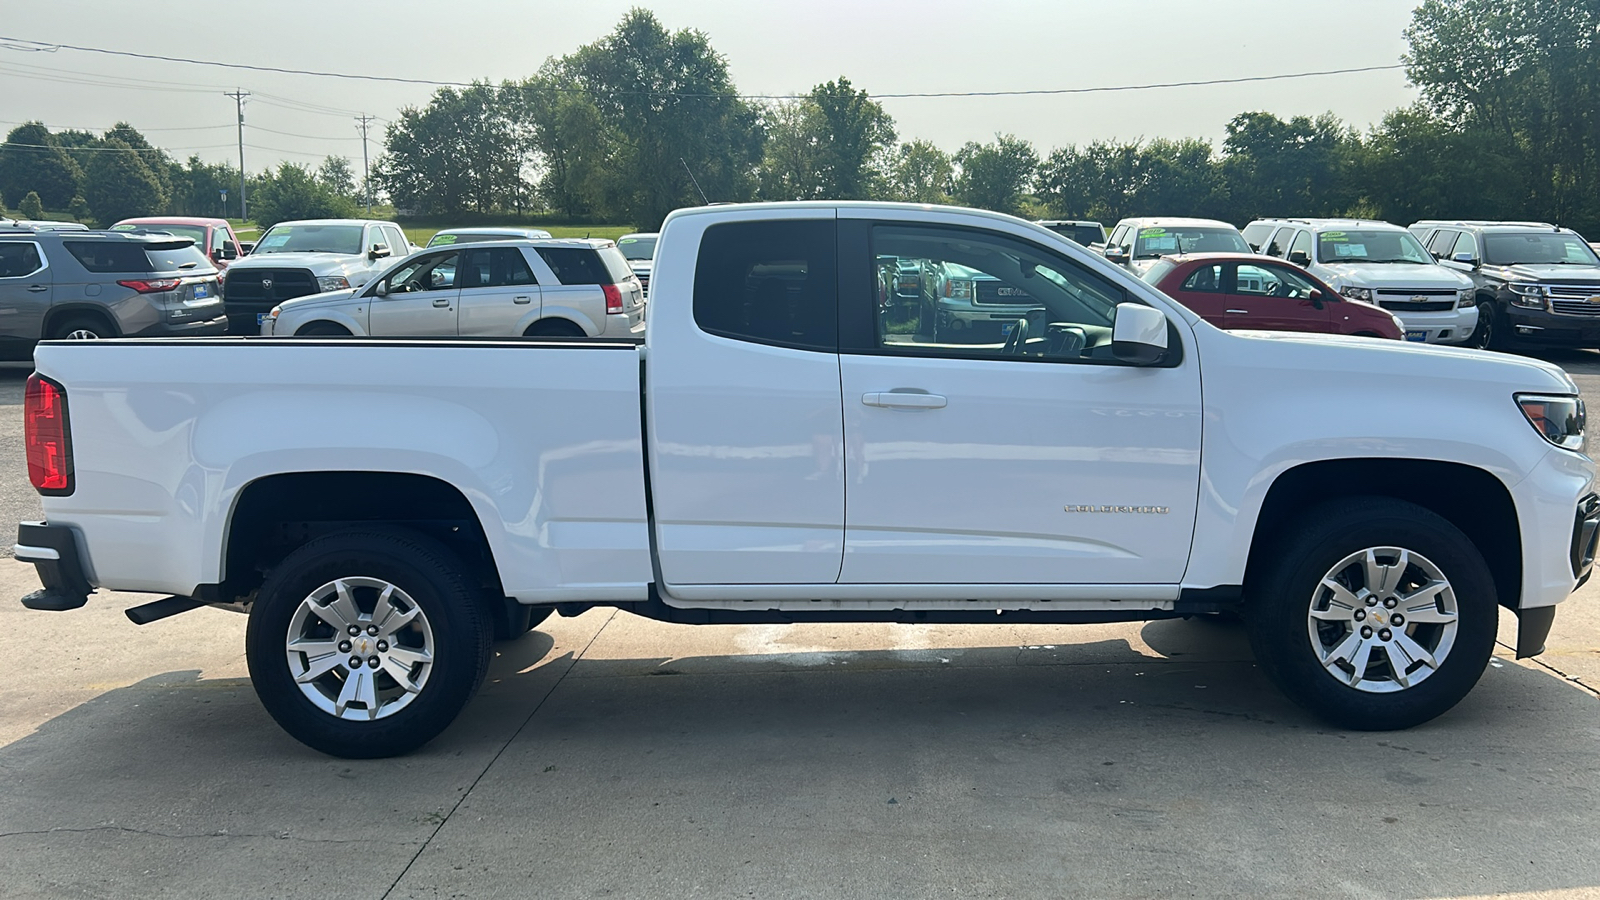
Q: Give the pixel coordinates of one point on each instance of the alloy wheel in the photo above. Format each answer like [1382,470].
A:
[1383,619]
[360,648]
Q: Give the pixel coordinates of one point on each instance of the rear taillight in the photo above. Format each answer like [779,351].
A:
[49,441]
[613,298]
[151,286]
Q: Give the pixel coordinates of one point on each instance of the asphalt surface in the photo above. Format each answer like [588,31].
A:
[608,755]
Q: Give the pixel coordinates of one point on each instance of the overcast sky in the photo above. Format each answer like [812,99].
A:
[771,48]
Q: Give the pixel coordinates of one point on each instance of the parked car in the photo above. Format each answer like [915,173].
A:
[1240,290]
[294,259]
[777,454]
[1535,283]
[640,250]
[68,284]
[1083,232]
[1377,262]
[1138,243]
[572,287]
[484,233]
[214,237]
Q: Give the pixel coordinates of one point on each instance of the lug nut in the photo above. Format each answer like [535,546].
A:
[1390,603]
[1372,601]
[1384,635]
[1397,619]
[1366,632]
[355,662]
[1360,614]
[374,662]
[354,631]
[372,630]
[344,646]
[383,646]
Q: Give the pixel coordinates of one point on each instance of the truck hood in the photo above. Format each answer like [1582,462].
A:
[324,299]
[1401,276]
[1547,273]
[641,266]
[1403,361]
[318,263]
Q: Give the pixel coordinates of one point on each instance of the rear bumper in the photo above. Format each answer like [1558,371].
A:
[199,328]
[53,550]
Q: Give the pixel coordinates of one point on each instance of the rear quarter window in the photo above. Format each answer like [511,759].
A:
[579,265]
[770,283]
[117,256]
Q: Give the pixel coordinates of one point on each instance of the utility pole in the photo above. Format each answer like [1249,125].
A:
[364,122]
[238,96]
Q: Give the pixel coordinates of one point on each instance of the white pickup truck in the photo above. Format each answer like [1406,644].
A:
[784,447]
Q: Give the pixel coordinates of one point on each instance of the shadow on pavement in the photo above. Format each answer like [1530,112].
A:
[1040,770]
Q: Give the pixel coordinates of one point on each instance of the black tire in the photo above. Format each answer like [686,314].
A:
[1279,600]
[322,329]
[554,328]
[1488,334]
[82,325]
[435,581]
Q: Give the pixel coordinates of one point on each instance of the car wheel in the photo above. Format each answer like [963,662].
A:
[81,328]
[554,328]
[322,329]
[1377,615]
[1484,335]
[367,643]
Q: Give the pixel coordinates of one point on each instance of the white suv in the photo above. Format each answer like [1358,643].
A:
[1378,263]
[576,287]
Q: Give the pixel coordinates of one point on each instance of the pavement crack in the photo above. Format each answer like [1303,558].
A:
[1571,679]
[443,820]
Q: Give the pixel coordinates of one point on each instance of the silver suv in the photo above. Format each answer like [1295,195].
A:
[57,284]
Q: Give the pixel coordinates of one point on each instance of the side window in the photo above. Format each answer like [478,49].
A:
[398,245]
[219,236]
[1272,281]
[512,266]
[575,265]
[1117,236]
[1302,244]
[1205,279]
[425,273]
[109,256]
[770,282]
[988,296]
[1278,245]
[499,267]
[1465,244]
[1439,245]
[19,260]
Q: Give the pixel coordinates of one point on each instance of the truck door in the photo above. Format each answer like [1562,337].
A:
[1039,459]
[25,281]
[743,415]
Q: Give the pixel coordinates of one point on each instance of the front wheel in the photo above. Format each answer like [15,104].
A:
[367,643]
[1485,335]
[1377,615]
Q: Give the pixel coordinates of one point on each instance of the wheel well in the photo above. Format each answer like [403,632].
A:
[555,326]
[321,326]
[58,314]
[1469,498]
[276,514]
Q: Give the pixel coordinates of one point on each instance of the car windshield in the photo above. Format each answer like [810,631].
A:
[637,247]
[1370,247]
[310,239]
[1156,242]
[1540,249]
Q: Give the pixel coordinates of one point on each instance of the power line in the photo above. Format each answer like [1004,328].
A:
[36,46]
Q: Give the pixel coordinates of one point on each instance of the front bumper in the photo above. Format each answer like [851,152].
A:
[1450,326]
[1539,326]
[53,550]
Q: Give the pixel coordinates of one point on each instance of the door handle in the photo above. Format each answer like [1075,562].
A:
[522,300]
[37,288]
[1239,312]
[904,400]
[442,302]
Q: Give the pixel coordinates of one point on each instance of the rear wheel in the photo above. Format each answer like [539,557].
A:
[367,643]
[81,328]
[554,328]
[322,329]
[1378,615]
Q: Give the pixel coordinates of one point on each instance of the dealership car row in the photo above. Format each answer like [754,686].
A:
[1485,284]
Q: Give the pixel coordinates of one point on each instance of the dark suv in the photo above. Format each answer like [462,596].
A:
[1535,283]
[93,284]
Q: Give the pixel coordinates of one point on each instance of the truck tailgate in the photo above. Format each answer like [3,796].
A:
[543,440]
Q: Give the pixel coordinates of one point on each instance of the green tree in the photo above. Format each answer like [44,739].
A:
[198,186]
[996,176]
[671,110]
[920,173]
[119,185]
[562,128]
[855,134]
[1298,167]
[460,152]
[31,207]
[294,192]
[336,175]
[792,163]
[32,160]
[1098,181]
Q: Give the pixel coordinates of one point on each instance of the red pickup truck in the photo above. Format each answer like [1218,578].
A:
[214,237]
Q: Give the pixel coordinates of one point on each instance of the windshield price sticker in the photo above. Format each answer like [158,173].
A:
[274,240]
[444,239]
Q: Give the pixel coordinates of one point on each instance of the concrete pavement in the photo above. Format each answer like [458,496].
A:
[608,755]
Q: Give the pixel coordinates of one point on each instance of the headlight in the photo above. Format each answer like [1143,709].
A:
[1464,298]
[1529,295]
[332,282]
[275,311]
[1357,293]
[1560,418]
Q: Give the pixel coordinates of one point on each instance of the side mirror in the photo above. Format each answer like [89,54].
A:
[1315,297]
[228,251]
[382,290]
[1117,255]
[1465,257]
[378,251]
[1139,335]
[246,248]
[1300,257]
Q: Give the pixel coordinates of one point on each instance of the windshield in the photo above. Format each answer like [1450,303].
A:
[1539,249]
[1371,247]
[311,239]
[1155,242]
[638,247]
